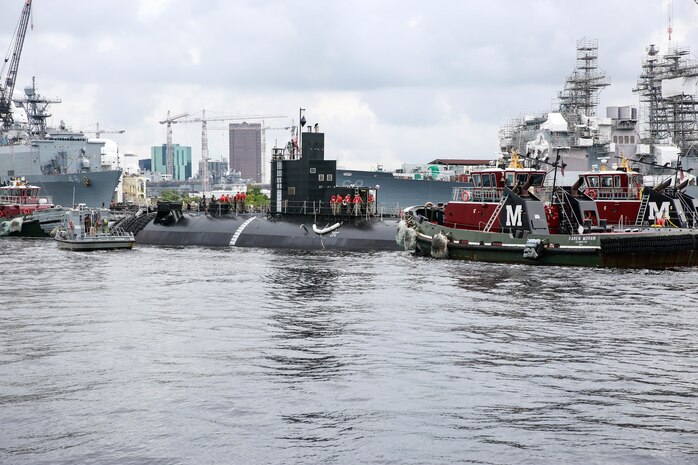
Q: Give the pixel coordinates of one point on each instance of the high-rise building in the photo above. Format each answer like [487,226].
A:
[245,142]
[145,164]
[182,161]
[216,170]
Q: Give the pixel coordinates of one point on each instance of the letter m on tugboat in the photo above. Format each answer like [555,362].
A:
[658,212]
[513,215]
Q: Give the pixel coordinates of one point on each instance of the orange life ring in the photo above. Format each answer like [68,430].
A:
[465,196]
[592,194]
[26,211]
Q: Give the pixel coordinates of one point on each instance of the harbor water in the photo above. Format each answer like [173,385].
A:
[189,356]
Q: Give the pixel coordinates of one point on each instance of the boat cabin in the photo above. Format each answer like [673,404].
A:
[488,184]
[619,184]
[19,192]
[19,198]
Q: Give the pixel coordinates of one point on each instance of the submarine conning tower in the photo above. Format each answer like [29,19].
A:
[304,183]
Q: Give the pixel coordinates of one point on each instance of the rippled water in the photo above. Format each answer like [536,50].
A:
[167,356]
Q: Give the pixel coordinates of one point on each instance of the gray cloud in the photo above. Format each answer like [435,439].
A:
[390,81]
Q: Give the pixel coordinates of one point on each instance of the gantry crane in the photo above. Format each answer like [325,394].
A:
[169,160]
[204,137]
[11,78]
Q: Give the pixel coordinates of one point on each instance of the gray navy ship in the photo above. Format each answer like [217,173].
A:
[66,165]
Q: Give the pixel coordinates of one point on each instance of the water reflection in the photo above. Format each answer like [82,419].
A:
[306,326]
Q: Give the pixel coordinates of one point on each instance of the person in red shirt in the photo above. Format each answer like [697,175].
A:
[357,204]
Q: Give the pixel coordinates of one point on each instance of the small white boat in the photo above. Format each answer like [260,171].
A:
[83,229]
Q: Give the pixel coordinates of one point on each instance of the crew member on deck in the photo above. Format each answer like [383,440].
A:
[347,202]
[357,204]
[333,204]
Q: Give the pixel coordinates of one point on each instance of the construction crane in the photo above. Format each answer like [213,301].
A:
[11,78]
[169,161]
[204,137]
[264,138]
[98,132]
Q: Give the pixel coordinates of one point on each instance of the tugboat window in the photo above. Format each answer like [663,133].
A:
[593,181]
[320,177]
[329,177]
[537,179]
[486,181]
[606,181]
[476,180]
[312,170]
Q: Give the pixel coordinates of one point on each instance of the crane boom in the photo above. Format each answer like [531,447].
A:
[11,79]
[204,136]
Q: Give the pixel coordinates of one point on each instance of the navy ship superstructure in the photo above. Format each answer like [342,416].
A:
[308,211]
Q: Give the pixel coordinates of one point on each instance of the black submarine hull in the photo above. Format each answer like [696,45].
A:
[305,232]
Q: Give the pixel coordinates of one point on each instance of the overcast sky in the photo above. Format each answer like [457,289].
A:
[389,81]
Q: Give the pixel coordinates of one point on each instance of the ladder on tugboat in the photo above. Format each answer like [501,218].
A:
[642,210]
[495,214]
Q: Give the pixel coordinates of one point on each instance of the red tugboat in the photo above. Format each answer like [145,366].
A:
[19,198]
[24,213]
[622,200]
[510,216]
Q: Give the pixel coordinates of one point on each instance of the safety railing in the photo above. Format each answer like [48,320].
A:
[613,193]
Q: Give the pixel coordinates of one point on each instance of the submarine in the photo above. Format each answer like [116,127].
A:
[302,213]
